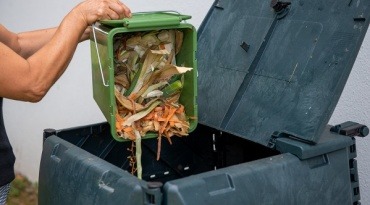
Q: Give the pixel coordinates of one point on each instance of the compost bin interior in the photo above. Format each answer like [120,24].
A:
[203,150]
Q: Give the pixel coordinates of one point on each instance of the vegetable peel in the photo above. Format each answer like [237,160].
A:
[148,86]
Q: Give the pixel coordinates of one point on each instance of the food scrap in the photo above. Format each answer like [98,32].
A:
[148,85]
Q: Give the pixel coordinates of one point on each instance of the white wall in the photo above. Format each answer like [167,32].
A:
[70,103]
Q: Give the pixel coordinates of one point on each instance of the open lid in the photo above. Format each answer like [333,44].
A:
[264,69]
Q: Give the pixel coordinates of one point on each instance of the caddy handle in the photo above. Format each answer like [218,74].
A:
[173,19]
[99,61]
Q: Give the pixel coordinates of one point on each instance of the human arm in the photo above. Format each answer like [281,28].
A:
[27,43]
[29,79]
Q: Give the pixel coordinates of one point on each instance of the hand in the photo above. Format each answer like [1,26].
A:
[28,78]
[95,10]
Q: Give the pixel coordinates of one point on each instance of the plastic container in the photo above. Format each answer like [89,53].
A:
[103,60]
[84,165]
[270,76]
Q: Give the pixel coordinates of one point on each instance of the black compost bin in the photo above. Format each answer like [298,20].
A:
[270,76]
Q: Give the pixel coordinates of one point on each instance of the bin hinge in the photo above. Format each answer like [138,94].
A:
[351,129]
[285,134]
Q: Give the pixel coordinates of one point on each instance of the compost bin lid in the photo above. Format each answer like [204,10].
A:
[264,69]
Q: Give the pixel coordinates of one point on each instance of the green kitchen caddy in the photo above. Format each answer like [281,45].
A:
[102,57]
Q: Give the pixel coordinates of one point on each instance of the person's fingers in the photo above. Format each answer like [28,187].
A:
[120,8]
[95,10]
[117,9]
[127,10]
[112,14]
[107,11]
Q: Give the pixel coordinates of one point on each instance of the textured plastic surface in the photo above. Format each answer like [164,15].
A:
[279,180]
[289,72]
[104,95]
[85,166]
